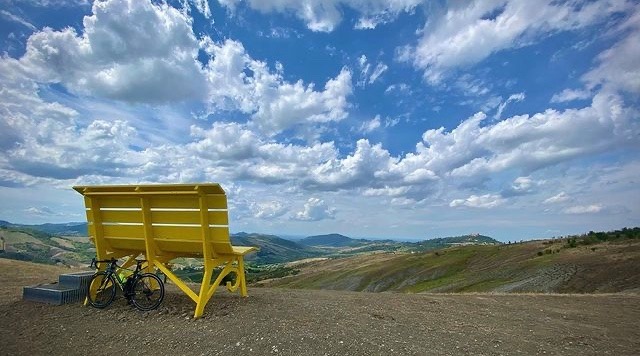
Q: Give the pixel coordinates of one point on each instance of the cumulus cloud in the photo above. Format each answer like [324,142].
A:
[533,142]
[314,210]
[486,201]
[275,104]
[268,209]
[49,140]
[472,31]
[325,15]
[521,186]
[152,58]
[129,50]
[364,166]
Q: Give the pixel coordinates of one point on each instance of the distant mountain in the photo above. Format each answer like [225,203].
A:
[63,229]
[471,239]
[337,240]
[273,249]
[332,240]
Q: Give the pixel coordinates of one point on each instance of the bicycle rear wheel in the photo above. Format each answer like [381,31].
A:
[148,292]
[102,290]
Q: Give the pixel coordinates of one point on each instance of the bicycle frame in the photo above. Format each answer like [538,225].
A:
[112,270]
[144,290]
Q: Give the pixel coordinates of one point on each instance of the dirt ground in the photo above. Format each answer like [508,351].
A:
[307,322]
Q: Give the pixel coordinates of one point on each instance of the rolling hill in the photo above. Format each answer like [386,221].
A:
[64,229]
[63,243]
[332,240]
[31,244]
[597,262]
[37,246]
[273,249]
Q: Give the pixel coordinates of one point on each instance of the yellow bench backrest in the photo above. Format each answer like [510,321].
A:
[176,219]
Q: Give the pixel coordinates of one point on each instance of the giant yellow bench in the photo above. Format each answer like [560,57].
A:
[164,222]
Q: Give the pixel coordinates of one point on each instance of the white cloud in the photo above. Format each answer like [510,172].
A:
[226,141]
[512,98]
[290,104]
[59,3]
[558,198]
[532,142]
[43,211]
[584,209]
[366,75]
[18,19]
[521,186]
[129,50]
[203,7]
[325,15]
[486,201]
[152,58]
[618,68]
[268,209]
[314,210]
[275,104]
[472,31]
[366,165]
[371,125]
[570,95]
[377,72]
[400,88]
[386,191]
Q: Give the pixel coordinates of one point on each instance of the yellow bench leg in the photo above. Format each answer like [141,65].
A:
[204,289]
[241,277]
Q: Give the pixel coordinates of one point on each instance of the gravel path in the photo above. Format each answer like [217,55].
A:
[296,322]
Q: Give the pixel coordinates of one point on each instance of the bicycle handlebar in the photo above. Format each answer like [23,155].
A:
[113,261]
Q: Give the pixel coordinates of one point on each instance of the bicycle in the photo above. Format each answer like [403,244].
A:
[144,290]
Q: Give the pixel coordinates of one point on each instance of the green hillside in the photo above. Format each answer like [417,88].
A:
[596,262]
[332,240]
[65,229]
[273,249]
[37,246]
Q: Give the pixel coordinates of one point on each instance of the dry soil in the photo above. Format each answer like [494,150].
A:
[307,322]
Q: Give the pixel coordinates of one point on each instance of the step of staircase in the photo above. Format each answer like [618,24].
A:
[71,288]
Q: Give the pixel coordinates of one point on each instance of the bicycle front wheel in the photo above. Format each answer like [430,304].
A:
[102,290]
[148,292]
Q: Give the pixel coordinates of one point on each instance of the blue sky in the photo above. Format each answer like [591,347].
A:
[399,119]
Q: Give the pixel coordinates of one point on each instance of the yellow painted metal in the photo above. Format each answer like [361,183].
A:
[163,222]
